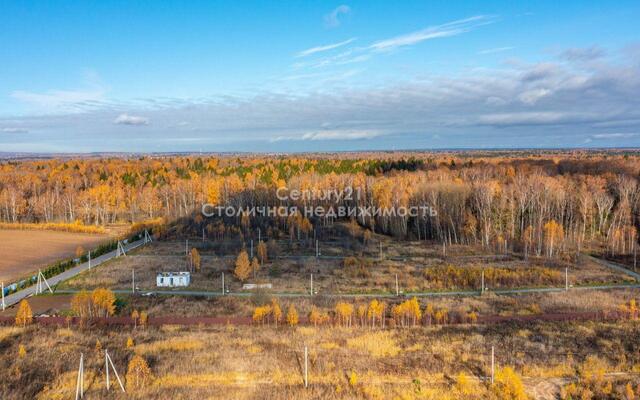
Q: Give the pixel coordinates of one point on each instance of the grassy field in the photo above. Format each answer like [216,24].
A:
[24,251]
[344,363]
[443,360]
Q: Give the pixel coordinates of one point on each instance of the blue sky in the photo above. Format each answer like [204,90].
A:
[314,76]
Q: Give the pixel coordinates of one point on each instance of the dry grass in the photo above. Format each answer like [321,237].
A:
[410,261]
[249,362]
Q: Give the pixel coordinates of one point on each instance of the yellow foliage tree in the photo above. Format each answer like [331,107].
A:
[375,312]
[24,316]
[260,313]
[262,252]
[344,312]
[243,267]
[314,316]
[292,316]
[104,302]
[144,318]
[276,311]
[255,266]
[508,385]
[81,304]
[129,342]
[553,234]
[196,260]
[138,374]
[22,351]
[406,312]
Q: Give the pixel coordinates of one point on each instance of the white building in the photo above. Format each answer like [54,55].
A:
[173,279]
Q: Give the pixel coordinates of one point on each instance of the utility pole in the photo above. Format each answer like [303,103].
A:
[317,249]
[133,280]
[311,286]
[259,236]
[186,247]
[223,291]
[80,380]
[107,362]
[251,241]
[482,283]
[566,279]
[3,305]
[39,287]
[635,258]
[89,259]
[306,367]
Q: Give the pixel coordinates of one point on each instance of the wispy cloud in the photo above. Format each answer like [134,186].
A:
[320,49]
[551,103]
[496,50]
[332,19]
[531,97]
[330,134]
[58,100]
[582,54]
[340,135]
[14,130]
[613,135]
[439,31]
[126,119]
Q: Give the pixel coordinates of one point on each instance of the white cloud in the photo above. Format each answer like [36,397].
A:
[530,118]
[445,30]
[330,134]
[582,54]
[468,108]
[327,47]
[531,97]
[14,130]
[340,135]
[495,101]
[495,50]
[126,119]
[613,135]
[332,20]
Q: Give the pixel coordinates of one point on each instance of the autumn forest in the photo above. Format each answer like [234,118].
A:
[533,203]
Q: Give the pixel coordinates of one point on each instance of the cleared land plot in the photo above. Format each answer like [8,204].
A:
[289,269]
[24,251]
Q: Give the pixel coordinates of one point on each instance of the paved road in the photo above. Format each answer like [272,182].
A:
[70,273]
[616,266]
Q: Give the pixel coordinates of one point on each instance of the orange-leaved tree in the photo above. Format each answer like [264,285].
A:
[24,316]
[104,302]
[292,316]
[196,260]
[243,266]
[138,374]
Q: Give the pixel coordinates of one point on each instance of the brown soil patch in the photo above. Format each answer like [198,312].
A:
[25,251]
